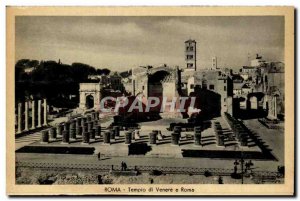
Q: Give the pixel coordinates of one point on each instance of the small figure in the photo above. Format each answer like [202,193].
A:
[99,156]
[122,166]
[220,180]
[235,169]
[125,166]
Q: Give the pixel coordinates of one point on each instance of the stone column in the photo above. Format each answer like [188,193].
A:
[156,132]
[244,139]
[152,137]
[39,113]
[275,107]
[177,129]
[97,115]
[33,114]
[90,126]
[112,135]
[128,136]
[45,113]
[52,132]
[19,118]
[160,136]
[72,129]
[45,137]
[98,131]
[66,126]
[220,139]
[26,116]
[197,135]
[106,138]
[59,129]
[175,139]
[92,134]
[65,137]
[86,138]
[197,139]
[137,135]
[117,131]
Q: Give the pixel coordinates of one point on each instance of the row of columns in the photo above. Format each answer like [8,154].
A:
[86,128]
[26,113]
[238,129]
[88,133]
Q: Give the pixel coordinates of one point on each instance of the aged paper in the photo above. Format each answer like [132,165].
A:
[150,101]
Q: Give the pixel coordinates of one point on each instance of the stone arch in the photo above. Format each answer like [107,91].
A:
[255,100]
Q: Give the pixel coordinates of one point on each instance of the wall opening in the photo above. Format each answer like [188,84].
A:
[89,102]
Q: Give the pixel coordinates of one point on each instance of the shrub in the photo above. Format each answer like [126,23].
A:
[207,173]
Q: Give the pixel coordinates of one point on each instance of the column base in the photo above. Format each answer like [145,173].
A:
[65,143]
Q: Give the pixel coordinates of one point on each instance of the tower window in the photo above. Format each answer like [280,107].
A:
[189,65]
[189,56]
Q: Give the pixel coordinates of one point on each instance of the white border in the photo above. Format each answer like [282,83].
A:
[4,3]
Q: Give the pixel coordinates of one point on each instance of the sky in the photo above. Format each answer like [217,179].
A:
[121,43]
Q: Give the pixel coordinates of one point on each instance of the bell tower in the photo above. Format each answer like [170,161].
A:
[190,55]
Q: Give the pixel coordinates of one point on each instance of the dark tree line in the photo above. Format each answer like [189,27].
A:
[52,80]
[48,71]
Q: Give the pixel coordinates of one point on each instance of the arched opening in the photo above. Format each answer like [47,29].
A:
[155,87]
[253,103]
[89,101]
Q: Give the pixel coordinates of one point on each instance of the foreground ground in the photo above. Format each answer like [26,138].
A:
[35,176]
[160,156]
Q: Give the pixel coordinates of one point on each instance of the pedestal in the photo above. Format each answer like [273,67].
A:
[52,133]
[152,137]
[92,134]
[106,137]
[45,136]
[59,129]
[117,131]
[175,139]
[65,137]
[197,139]
[86,138]
[128,136]
[112,135]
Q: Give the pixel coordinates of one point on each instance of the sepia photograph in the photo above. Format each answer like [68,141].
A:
[150,101]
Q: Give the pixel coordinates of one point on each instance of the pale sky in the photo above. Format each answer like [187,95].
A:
[120,43]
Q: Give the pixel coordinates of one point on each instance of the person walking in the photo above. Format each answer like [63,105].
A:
[99,156]
[125,166]
[122,166]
